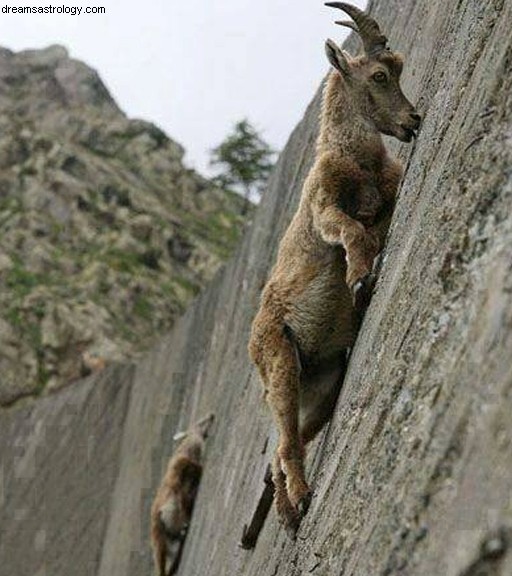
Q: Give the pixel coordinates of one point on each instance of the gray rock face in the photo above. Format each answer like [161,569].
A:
[412,476]
[89,202]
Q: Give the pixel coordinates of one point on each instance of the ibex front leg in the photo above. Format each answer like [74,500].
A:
[338,177]
[388,181]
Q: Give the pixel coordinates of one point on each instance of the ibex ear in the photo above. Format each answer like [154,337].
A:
[336,57]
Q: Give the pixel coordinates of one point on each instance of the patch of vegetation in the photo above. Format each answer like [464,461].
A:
[9,206]
[123,328]
[142,307]
[21,281]
[187,285]
[9,203]
[14,317]
[103,286]
[122,261]
[218,229]
[224,231]
[168,290]
[30,330]
[150,258]
[43,375]
[114,195]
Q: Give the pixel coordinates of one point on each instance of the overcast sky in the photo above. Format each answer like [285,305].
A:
[194,67]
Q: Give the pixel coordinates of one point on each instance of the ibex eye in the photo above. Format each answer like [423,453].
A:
[380,77]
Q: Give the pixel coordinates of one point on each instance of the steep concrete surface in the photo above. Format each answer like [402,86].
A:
[59,463]
[413,476]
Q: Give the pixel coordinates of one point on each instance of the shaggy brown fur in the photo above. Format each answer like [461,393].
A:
[173,504]
[310,306]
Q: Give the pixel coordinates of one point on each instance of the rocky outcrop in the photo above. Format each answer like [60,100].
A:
[105,234]
[412,477]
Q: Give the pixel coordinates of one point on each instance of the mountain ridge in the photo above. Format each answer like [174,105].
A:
[106,234]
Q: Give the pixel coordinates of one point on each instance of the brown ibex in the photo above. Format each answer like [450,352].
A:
[172,507]
[322,280]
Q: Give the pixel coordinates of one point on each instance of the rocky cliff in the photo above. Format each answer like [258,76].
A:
[105,234]
[412,477]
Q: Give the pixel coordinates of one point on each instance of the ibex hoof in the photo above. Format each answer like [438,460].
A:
[291,523]
[362,292]
[291,528]
[290,520]
[303,504]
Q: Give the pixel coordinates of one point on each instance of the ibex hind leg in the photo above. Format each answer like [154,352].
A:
[279,366]
[288,515]
[160,556]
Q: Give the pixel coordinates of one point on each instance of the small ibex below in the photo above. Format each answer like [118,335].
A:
[173,504]
[322,280]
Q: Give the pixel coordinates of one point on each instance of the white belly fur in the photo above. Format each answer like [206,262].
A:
[323,320]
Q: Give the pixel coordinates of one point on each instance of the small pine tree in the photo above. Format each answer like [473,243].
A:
[246,160]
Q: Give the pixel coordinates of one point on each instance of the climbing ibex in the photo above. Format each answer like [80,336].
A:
[311,304]
[172,507]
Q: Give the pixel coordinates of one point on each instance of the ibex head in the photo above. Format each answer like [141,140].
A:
[374,77]
[200,428]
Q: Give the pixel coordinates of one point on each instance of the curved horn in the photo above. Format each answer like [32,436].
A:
[203,426]
[348,24]
[373,39]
